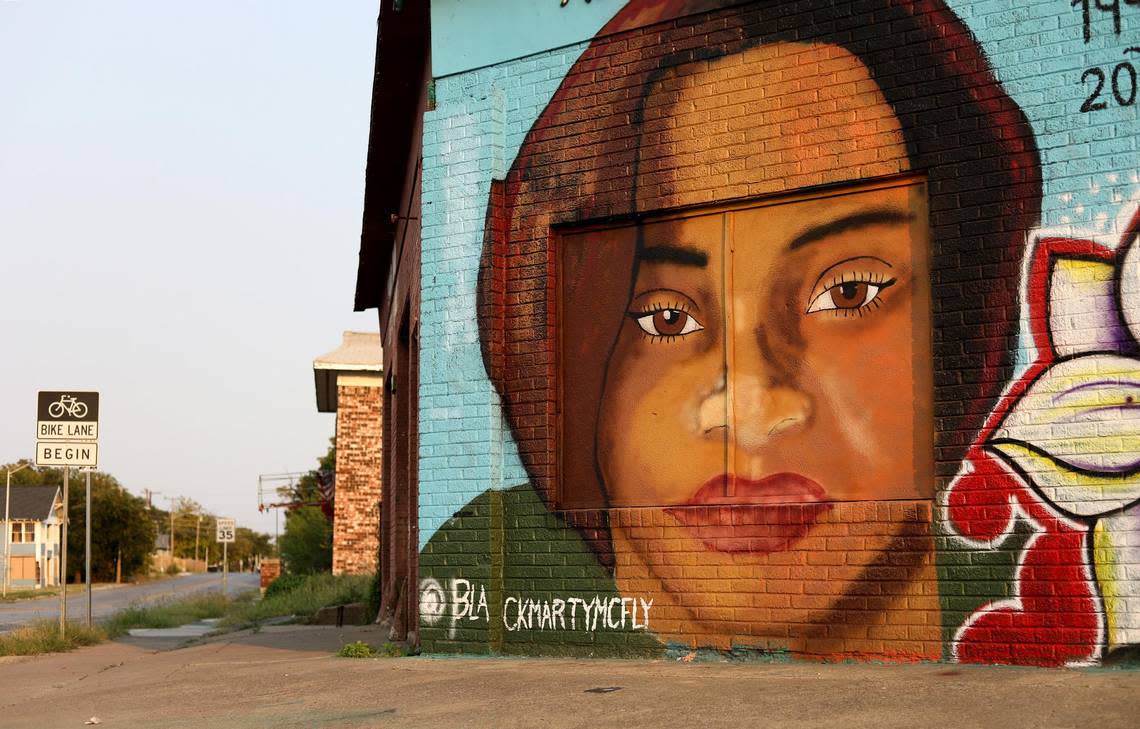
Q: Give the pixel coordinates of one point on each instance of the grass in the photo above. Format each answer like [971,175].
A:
[173,613]
[42,636]
[303,600]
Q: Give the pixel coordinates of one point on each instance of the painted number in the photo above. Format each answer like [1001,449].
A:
[1122,82]
[1118,83]
[1091,103]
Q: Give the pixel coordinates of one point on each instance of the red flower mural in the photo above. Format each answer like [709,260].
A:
[1064,469]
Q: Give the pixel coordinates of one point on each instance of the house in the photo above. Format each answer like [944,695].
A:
[32,536]
[349,382]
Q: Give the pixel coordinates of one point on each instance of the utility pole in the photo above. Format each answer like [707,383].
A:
[197,532]
[170,500]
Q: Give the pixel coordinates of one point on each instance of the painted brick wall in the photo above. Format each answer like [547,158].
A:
[1027,549]
[356,520]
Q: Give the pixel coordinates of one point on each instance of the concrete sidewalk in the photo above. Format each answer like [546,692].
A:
[287,676]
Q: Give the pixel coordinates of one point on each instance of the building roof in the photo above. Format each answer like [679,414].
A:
[359,352]
[402,51]
[31,502]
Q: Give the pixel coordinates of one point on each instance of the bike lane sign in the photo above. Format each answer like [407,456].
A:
[67,428]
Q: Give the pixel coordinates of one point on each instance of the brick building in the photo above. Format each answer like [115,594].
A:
[801,327]
[348,382]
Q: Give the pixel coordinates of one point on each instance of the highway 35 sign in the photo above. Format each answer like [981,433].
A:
[67,429]
[226,530]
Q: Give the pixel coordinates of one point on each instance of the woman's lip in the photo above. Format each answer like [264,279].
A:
[739,515]
[779,488]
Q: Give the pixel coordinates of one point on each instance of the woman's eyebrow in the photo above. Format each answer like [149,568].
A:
[680,255]
[854,221]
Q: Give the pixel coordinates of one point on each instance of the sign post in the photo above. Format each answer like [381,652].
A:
[87,544]
[63,558]
[67,434]
[226,535]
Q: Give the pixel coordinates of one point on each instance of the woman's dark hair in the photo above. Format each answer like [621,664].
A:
[577,163]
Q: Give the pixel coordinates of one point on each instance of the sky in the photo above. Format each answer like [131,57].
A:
[181,187]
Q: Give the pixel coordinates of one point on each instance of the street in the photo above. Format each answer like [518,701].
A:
[287,676]
[106,600]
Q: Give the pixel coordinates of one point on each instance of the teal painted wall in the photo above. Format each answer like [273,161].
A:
[468,34]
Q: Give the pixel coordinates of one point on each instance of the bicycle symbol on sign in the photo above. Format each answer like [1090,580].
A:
[67,404]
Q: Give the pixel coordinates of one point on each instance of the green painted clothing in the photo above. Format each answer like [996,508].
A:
[506,575]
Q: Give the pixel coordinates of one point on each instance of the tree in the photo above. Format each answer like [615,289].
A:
[122,534]
[307,489]
[194,535]
[121,527]
[306,545]
[248,546]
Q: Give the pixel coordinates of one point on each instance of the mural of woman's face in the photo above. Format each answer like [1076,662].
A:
[769,373]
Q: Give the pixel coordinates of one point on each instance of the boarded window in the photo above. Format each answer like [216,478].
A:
[771,352]
[24,568]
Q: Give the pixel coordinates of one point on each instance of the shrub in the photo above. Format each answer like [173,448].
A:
[356,649]
[305,598]
[172,569]
[284,584]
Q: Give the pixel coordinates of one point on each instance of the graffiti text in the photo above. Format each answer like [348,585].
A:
[576,613]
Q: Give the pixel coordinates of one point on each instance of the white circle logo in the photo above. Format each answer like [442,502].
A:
[432,601]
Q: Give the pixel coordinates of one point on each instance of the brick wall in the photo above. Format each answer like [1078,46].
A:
[1015,538]
[356,520]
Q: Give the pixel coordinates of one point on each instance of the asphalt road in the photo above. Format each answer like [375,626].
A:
[106,600]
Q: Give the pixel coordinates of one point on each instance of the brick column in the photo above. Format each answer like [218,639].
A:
[356,522]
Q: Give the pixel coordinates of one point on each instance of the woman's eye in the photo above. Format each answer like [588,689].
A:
[848,296]
[667,323]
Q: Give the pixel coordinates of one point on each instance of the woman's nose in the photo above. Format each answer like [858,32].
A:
[751,410]
[760,411]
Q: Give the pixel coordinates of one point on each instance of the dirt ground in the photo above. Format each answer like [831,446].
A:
[287,676]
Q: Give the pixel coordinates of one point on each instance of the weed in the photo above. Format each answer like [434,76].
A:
[172,613]
[284,584]
[43,637]
[304,599]
[357,649]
